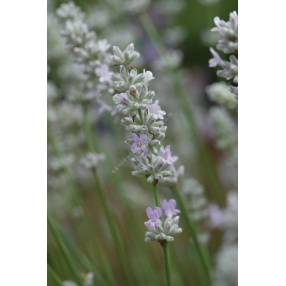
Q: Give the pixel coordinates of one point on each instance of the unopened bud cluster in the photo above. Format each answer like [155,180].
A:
[143,119]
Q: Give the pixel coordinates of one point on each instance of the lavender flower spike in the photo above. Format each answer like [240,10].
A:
[143,119]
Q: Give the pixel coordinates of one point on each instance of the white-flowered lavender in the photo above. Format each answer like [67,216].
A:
[90,53]
[228,45]
[162,223]
[143,119]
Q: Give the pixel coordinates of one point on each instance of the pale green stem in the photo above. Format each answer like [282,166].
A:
[192,232]
[167,263]
[164,244]
[75,192]
[103,198]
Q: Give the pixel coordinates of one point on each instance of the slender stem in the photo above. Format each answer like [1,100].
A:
[167,263]
[54,276]
[76,196]
[156,194]
[204,157]
[102,196]
[69,261]
[192,231]
[164,244]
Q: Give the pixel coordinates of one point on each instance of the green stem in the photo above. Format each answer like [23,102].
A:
[78,200]
[204,158]
[164,244]
[167,263]
[54,276]
[156,194]
[192,232]
[69,261]
[102,195]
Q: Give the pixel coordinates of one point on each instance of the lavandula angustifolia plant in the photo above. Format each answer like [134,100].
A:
[143,120]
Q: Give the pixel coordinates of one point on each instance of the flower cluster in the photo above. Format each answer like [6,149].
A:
[162,223]
[227,44]
[89,53]
[143,119]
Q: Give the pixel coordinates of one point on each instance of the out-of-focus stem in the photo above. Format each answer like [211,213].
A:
[192,232]
[102,196]
[167,264]
[64,251]
[204,157]
[75,192]
[54,276]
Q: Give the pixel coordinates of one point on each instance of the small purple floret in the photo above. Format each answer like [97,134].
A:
[215,60]
[215,216]
[153,215]
[139,144]
[166,155]
[169,207]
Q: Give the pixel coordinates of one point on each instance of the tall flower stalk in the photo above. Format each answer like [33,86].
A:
[143,120]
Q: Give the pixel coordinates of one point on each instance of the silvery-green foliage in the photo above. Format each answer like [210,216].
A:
[225,131]
[227,44]
[90,53]
[143,119]
[197,206]
[220,93]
